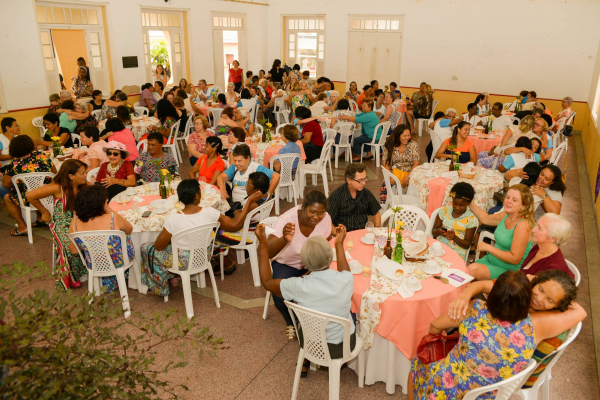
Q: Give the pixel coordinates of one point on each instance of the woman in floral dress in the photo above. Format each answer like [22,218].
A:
[197,139]
[82,86]
[400,157]
[64,188]
[300,96]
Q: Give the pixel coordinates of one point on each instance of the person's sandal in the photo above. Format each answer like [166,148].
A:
[305,368]
[290,333]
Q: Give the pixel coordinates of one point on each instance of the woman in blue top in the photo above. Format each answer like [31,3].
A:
[369,120]
[290,137]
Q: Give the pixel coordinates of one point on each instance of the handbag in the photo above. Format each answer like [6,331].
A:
[568,131]
[435,347]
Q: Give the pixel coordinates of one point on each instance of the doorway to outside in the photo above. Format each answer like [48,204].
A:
[160,51]
[69,45]
[230,53]
[229,43]
[305,43]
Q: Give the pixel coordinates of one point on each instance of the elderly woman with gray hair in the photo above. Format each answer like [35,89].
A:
[550,232]
[565,113]
[321,289]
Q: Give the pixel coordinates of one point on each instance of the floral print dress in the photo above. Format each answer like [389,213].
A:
[458,225]
[488,351]
[403,161]
[299,100]
[36,161]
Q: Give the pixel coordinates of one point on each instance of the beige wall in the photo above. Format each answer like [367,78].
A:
[69,45]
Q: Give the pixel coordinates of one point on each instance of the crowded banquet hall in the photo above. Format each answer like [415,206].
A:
[350,200]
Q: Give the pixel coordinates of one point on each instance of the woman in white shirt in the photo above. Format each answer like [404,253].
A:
[230,95]
[157,257]
[379,107]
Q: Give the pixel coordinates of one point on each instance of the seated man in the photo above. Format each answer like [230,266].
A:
[203,93]
[238,172]
[149,164]
[471,115]
[499,121]
[350,204]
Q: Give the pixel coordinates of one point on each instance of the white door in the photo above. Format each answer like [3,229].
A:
[50,64]
[367,72]
[355,59]
[375,55]
[177,63]
[147,57]
[97,61]
[392,65]
[243,52]
[218,58]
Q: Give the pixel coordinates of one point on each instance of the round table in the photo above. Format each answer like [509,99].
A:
[146,230]
[484,141]
[433,191]
[403,322]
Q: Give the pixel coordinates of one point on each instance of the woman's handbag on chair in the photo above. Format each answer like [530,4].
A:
[435,347]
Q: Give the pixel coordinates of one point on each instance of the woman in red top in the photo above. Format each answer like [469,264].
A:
[312,136]
[210,165]
[116,174]
[235,75]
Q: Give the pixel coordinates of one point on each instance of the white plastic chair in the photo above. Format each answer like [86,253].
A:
[252,113]
[216,88]
[97,113]
[143,111]
[557,153]
[395,119]
[543,380]
[395,197]
[216,115]
[32,181]
[426,120]
[571,118]
[411,216]
[96,244]
[318,168]
[282,117]
[376,144]
[270,222]
[436,142]
[76,137]
[142,146]
[328,134]
[506,387]
[575,272]
[92,174]
[313,324]
[264,210]
[285,176]
[202,239]
[509,106]
[172,143]
[517,120]
[354,106]
[429,230]
[346,132]
[499,152]
[484,235]
[278,130]
[39,123]
[182,137]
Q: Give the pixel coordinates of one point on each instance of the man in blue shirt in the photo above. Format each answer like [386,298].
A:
[369,121]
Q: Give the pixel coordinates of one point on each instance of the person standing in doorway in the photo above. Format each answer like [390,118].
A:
[235,75]
[81,63]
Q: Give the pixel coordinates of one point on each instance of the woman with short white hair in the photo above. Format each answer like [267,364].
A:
[230,95]
[332,98]
[565,113]
[550,232]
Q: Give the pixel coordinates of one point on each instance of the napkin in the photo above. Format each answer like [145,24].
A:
[137,198]
[405,292]
[414,248]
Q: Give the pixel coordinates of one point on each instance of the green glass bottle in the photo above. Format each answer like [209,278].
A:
[162,188]
[397,257]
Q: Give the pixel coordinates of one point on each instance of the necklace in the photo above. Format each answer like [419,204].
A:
[113,170]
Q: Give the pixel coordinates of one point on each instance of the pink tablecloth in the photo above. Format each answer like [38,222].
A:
[121,207]
[402,107]
[483,143]
[273,151]
[437,193]
[404,322]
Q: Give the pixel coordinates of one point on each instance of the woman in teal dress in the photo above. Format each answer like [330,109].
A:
[92,213]
[71,178]
[497,340]
[513,234]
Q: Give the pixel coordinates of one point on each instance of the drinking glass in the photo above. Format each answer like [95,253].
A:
[123,199]
[202,180]
[146,187]
[370,227]
[350,244]
[366,267]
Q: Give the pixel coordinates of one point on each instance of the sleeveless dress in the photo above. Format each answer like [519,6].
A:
[488,351]
[504,239]
[116,254]
[68,264]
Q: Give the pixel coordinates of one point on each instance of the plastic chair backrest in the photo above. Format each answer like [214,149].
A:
[174,133]
[216,113]
[557,153]
[571,118]
[484,235]
[258,129]
[287,164]
[251,113]
[280,104]
[412,216]
[279,129]
[325,153]
[217,89]
[346,131]
[509,106]
[313,325]
[433,107]
[270,222]
[575,272]
[385,128]
[264,210]
[96,114]
[329,134]
[75,137]
[394,193]
[138,109]
[517,120]
[506,387]
[202,239]
[33,181]
[189,127]
[354,105]
[96,245]
[395,119]
[436,142]
[142,145]
[286,115]
[92,174]
[136,104]
[432,222]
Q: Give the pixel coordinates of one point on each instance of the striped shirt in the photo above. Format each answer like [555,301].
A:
[353,213]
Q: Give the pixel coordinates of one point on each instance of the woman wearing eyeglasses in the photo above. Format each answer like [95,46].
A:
[117,174]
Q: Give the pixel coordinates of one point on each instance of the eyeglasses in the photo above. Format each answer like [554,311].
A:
[114,153]
[362,181]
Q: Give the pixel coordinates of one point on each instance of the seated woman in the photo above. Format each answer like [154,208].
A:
[149,164]
[109,108]
[82,86]
[520,159]
[116,131]
[299,97]
[550,232]
[221,101]
[333,96]
[124,115]
[246,100]
[476,361]
[53,129]
[319,105]
[236,136]
[226,122]
[94,156]
[512,235]
[65,118]
[289,137]
[157,257]
[400,157]
[540,130]
[353,93]
[168,116]
[242,117]
[458,143]
[197,139]
[312,136]
[117,174]
[388,106]
[258,182]
[456,225]
[210,165]
[83,117]
[343,108]
[179,105]
[565,113]
[511,134]
[231,96]
[26,159]
[65,186]
[147,99]
[292,230]
[92,213]
[378,106]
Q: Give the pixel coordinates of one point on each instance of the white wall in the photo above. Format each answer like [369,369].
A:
[548,46]
[594,86]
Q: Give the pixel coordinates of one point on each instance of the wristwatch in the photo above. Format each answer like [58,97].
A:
[545,196]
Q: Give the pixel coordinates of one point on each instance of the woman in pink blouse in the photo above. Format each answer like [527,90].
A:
[197,139]
[95,155]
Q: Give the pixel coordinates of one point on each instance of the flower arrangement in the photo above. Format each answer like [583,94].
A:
[56,146]
[455,154]
[267,128]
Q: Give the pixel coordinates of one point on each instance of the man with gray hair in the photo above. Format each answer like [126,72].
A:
[203,93]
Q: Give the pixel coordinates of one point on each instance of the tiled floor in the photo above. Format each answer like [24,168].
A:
[259,362]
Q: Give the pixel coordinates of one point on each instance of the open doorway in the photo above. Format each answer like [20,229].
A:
[69,45]
[230,51]
[160,51]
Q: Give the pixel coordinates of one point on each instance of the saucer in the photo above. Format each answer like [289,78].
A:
[356,269]
[161,211]
[437,271]
[482,182]
[363,240]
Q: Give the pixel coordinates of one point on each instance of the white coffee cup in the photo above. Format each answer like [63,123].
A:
[369,238]
[431,267]
[483,179]
[492,136]
[427,166]
[418,234]
[437,248]
[131,191]
[412,283]
[490,172]
[448,161]
[354,264]
[470,165]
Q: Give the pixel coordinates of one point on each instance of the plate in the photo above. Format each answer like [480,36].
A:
[158,203]
[163,211]
[437,271]
[362,239]
[449,175]
[390,273]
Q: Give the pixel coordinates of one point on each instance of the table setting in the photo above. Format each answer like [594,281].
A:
[431,183]
[485,141]
[389,296]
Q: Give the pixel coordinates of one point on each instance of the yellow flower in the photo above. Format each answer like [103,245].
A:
[460,369]
[458,153]
[483,326]
[527,354]
[165,172]
[399,225]
[506,372]
[55,138]
[508,354]
[462,330]
[269,124]
[440,395]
